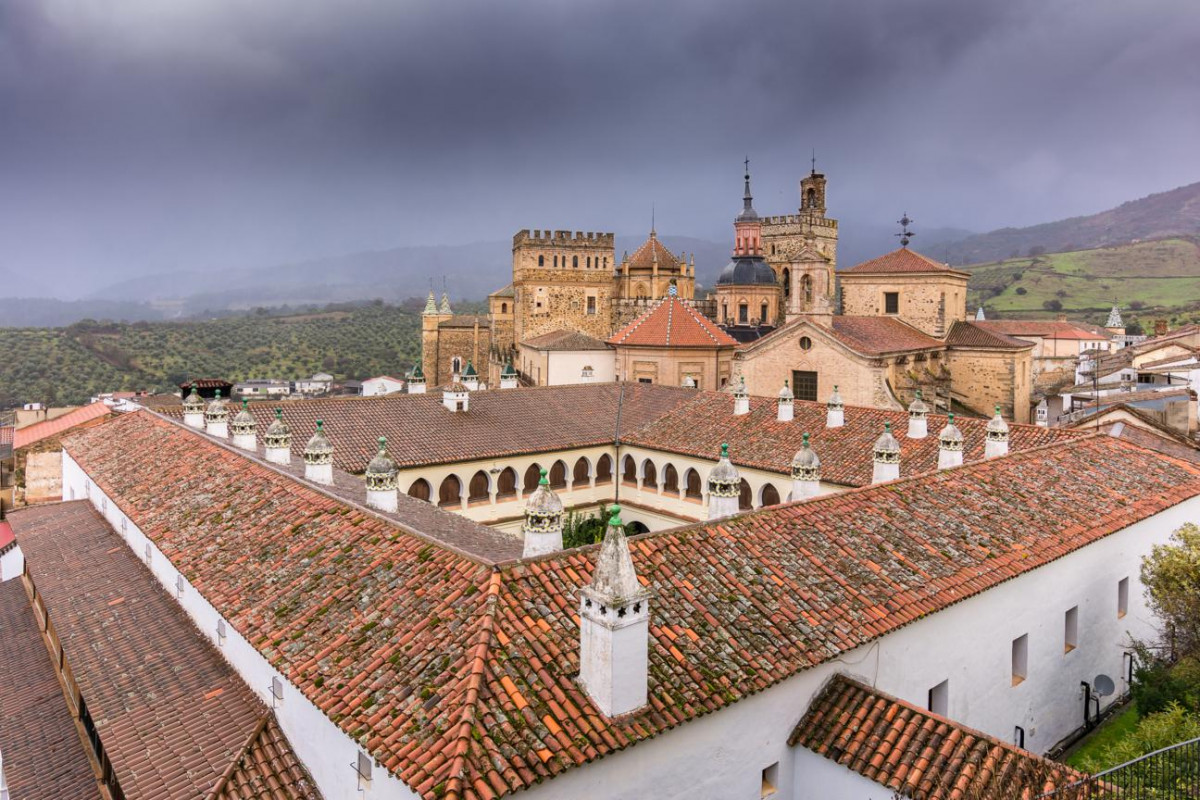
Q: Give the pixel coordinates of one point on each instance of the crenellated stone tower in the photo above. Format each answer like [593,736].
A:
[562,280]
[802,249]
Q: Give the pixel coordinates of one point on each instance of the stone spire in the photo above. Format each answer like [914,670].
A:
[1114,319]
[741,400]
[509,379]
[381,479]
[950,445]
[430,304]
[193,409]
[278,440]
[786,404]
[918,418]
[724,487]
[445,309]
[806,472]
[416,380]
[996,443]
[543,528]
[318,458]
[614,628]
[216,417]
[243,429]
[470,378]
[748,212]
[835,411]
[886,456]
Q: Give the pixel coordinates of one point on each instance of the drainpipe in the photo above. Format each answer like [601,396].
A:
[1087,703]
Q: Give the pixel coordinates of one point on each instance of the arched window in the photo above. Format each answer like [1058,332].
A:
[541,261]
[606,261]
[641,292]
[580,474]
[504,308]
[532,476]
[506,484]
[575,262]
[629,470]
[787,284]
[812,198]
[806,288]
[725,312]
[770,495]
[649,474]
[604,469]
[671,479]
[420,489]
[556,261]
[636,527]
[746,497]
[558,475]
[589,262]
[450,492]
[477,489]
[456,364]
[694,488]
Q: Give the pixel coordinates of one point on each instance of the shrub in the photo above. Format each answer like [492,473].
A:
[1022,290]
[1170,726]
[1052,305]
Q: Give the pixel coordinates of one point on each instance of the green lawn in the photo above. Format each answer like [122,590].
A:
[1091,750]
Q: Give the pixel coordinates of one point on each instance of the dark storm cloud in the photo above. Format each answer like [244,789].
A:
[143,136]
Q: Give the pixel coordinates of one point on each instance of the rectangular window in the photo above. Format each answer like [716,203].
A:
[763,318]
[1020,659]
[1071,629]
[804,384]
[591,305]
[939,698]
[645,380]
[891,302]
[1122,597]
[770,780]
[743,313]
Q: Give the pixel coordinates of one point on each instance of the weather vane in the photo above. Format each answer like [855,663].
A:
[905,234]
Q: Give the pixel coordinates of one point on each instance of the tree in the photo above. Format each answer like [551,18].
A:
[1022,290]
[1052,305]
[1037,250]
[1171,575]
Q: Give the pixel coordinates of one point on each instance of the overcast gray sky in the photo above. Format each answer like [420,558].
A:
[143,135]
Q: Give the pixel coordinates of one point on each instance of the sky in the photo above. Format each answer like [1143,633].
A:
[142,136]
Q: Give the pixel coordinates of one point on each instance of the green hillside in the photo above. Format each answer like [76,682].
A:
[66,366]
[1153,279]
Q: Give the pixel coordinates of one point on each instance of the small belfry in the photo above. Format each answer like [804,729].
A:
[806,472]
[543,526]
[724,487]
[193,409]
[216,417]
[950,445]
[886,456]
[278,440]
[318,457]
[918,418]
[381,479]
[996,436]
[835,410]
[614,628]
[787,404]
[244,429]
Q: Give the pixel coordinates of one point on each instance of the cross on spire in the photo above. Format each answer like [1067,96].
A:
[905,234]
[814,161]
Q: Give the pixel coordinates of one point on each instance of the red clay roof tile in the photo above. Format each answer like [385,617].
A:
[43,430]
[879,335]
[672,323]
[901,260]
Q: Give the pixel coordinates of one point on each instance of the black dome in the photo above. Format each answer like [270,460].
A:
[747,271]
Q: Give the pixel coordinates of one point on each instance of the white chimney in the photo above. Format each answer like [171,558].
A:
[614,628]
[786,404]
[741,400]
[509,379]
[918,418]
[470,378]
[381,480]
[950,445]
[724,487]
[886,457]
[216,418]
[318,458]
[543,528]
[416,380]
[455,397]
[806,473]
[996,443]
[243,430]
[193,409]
[835,412]
[278,440]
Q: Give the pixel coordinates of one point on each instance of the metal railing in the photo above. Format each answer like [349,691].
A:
[1172,773]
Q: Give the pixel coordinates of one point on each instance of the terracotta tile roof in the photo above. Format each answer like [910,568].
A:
[173,687]
[643,258]
[564,340]
[44,758]
[974,334]
[507,291]
[460,678]
[267,768]
[879,335]
[1044,328]
[501,422]
[901,260]
[672,323]
[207,383]
[44,430]
[1151,435]
[759,440]
[466,321]
[917,753]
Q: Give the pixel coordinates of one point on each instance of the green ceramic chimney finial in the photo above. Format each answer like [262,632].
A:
[279,413]
[382,443]
[544,481]
[320,424]
[245,403]
[887,426]
[950,418]
[724,450]
[217,396]
[806,440]
[997,409]
[614,519]
[918,394]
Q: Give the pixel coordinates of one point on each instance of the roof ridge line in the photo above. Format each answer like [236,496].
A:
[462,738]
[223,781]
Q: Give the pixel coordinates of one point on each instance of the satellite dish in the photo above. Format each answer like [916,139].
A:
[1104,685]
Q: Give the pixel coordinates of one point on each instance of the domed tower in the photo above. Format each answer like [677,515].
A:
[747,292]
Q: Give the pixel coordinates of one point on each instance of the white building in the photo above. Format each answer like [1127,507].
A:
[564,357]
[317,384]
[263,387]
[381,385]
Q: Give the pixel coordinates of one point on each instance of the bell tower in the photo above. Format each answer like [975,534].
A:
[812,192]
